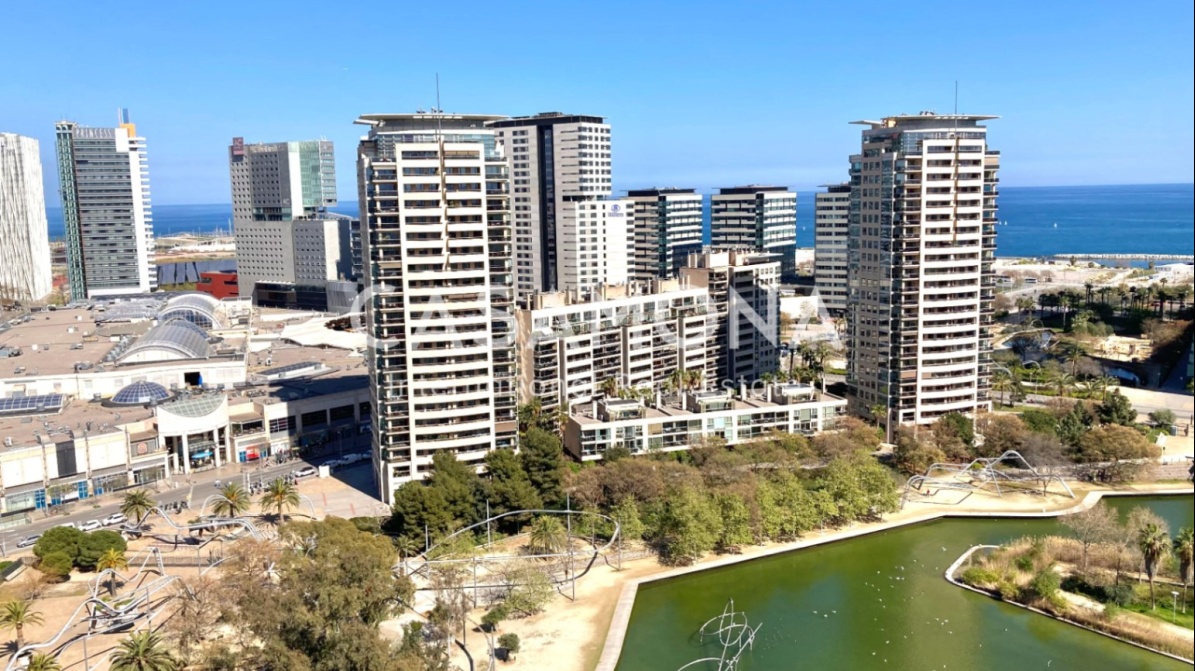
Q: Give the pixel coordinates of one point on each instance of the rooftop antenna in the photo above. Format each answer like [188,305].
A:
[956,97]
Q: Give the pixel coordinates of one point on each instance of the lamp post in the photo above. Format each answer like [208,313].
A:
[1174,607]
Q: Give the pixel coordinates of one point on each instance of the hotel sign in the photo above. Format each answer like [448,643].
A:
[238,146]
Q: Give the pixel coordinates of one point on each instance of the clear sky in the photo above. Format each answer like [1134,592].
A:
[699,93]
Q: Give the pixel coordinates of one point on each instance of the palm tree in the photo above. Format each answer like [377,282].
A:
[1101,385]
[232,501]
[609,387]
[1002,383]
[548,536]
[1073,353]
[137,504]
[280,496]
[112,559]
[16,615]
[1154,543]
[143,651]
[529,414]
[43,662]
[1183,550]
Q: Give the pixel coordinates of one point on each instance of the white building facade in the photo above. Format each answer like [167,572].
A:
[921,247]
[104,182]
[24,240]
[437,243]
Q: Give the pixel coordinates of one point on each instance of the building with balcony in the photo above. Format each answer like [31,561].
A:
[680,421]
[762,218]
[667,229]
[565,236]
[437,249]
[744,293]
[574,348]
[922,241]
[830,230]
[24,242]
[103,176]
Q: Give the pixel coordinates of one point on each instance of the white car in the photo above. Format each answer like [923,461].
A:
[91,525]
[114,519]
[68,524]
[305,472]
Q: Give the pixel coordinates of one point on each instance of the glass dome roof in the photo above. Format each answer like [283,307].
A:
[140,393]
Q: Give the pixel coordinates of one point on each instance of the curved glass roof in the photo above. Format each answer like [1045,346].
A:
[176,335]
[195,406]
[140,393]
[199,308]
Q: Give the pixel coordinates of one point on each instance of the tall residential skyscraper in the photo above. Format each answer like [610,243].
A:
[667,230]
[763,218]
[744,290]
[275,186]
[434,195]
[829,241]
[557,161]
[921,247]
[103,176]
[24,242]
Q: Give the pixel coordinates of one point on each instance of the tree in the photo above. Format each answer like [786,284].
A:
[548,536]
[279,497]
[911,456]
[1183,549]
[95,544]
[532,590]
[542,458]
[143,651]
[418,510]
[56,566]
[16,615]
[1001,433]
[1113,442]
[508,488]
[114,560]
[494,616]
[43,662]
[626,513]
[1073,425]
[1040,421]
[1154,543]
[786,508]
[688,526]
[736,522]
[232,501]
[1093,526]
[860,488]
[137,504]
[1116,409]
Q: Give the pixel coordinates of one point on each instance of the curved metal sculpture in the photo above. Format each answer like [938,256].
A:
[980,474]
[733,631]
[206,525]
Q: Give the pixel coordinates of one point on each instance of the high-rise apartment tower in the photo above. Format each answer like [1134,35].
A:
[921,246]
[762,218]
[434,195]
[667,229]
[829,241]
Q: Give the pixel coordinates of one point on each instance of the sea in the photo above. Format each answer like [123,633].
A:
[1034,221]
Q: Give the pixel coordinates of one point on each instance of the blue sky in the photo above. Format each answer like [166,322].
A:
[700,94]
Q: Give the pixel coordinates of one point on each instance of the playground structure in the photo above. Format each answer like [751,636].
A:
[143,595]
[983,474]
[733,632]
[483,567]
[215,497]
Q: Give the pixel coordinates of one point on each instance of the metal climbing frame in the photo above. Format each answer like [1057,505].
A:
[733,631]
[981,474]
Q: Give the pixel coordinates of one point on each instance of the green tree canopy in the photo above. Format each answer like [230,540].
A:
[542,458]
[1116,409]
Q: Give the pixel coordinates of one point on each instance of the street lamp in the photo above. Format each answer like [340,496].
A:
[1174,607]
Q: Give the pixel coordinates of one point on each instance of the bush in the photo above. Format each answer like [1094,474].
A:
[94,545]
[978,576]
[1111,610]
[1024,563]
[63,540]
[56,565]
[1008,590]
[510,642]
[370,525]
[494,617]
[1045,583]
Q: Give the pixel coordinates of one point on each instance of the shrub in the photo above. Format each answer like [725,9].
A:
[510,642]
[979,576]
[370,525]
[1024,562]
[63,540]
[94,545]
[1008,590]
[1111,611]
[1119,595]
[56,565]
[1045,583]
[494,617]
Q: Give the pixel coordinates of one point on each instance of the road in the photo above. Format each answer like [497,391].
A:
[193,489]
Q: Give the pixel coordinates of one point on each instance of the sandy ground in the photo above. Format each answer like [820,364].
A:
[569,635]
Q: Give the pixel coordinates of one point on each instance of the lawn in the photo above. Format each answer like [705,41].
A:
[1165,605]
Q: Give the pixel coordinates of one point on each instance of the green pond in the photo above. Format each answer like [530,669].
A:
[878,602]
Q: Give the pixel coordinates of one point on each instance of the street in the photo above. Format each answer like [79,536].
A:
[193,489]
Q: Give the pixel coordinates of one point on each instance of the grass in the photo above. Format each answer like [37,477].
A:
[1165,607]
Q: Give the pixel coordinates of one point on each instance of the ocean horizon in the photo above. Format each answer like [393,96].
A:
[1034,220]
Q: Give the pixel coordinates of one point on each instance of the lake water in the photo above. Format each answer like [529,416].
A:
[878,602]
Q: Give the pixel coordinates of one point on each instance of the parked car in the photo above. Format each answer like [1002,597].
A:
[68,524]
[305,472]
[350,459]
[28,541]
[90,525]
[114,519]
